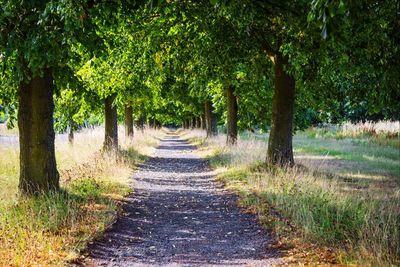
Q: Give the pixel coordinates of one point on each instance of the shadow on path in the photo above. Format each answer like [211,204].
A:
[178,215]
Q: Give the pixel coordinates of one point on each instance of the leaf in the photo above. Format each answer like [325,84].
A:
[342,8]
[311,16]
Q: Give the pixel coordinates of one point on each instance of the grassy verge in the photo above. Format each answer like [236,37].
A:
[320,216]
[52,229]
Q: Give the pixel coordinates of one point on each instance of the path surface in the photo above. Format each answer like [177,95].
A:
[178,215]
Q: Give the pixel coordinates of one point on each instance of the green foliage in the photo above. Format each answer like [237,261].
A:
[166,58]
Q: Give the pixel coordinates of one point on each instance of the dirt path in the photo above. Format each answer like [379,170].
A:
[178,215]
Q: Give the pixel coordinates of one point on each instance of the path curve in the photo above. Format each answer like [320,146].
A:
[179,216]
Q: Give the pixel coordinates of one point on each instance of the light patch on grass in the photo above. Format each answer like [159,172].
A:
[4,131]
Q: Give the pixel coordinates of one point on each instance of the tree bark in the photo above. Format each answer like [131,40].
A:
[111,125]
[190,123]
[193,123]
[198,123]
[38,169]
[71,132]
[128,121]
[203,122]
[142,121]
[232,112]
[210,119]
[280,150]
[152,123]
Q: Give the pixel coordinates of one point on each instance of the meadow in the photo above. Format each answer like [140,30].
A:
[54,228]
[339,204]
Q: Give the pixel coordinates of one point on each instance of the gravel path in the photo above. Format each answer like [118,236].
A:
[179,216]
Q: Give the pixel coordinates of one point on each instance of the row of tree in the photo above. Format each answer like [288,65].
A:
[253,64]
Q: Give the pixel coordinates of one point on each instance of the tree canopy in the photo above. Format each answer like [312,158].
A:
[275,66]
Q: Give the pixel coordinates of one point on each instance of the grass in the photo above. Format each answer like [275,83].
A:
[4,131]
[382,133]
[340,204]
[52,229]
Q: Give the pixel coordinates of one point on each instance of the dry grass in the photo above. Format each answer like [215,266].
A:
[385,128]
[359,217]
[4,131]
[383,133]
[51,230]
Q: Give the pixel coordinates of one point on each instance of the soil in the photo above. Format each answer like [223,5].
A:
[179,215]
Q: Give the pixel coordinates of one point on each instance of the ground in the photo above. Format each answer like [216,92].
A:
[179,215]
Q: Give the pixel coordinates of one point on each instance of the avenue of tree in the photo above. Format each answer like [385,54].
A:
[276,66]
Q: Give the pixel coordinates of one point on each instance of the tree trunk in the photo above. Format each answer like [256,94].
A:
[203,121]
[128,121]
[232,110]
[193,123]
[214,129]
[210,119]
[152,123]
[38,169]
[142,121]
[198,123]
[111,125]
[71,132]
[280,150]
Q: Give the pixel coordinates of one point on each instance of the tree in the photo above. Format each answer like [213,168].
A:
[38,170]
[232,114]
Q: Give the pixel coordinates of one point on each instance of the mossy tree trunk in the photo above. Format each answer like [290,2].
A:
[232,112]
[210,119]
[38,169]
[128,121]
[280,150]
[111,125]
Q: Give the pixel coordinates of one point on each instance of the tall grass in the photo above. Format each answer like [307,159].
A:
[51,229]
[360,223]
[383,133]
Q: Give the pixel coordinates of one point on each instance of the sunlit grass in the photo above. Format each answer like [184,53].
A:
[5,131]
[51,229]
[382,133]
[344,194]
